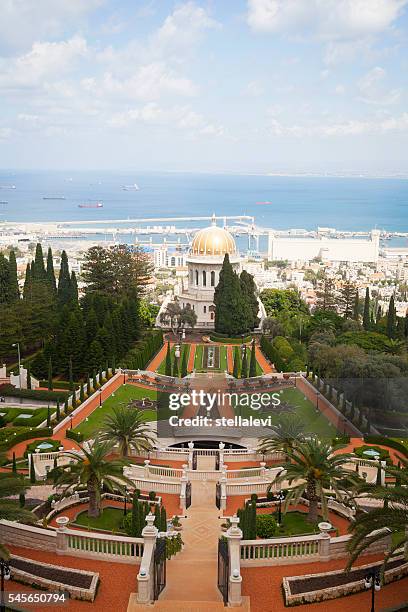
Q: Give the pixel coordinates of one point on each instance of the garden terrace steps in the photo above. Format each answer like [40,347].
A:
[185,606]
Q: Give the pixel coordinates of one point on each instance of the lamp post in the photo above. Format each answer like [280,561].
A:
[317,400]
[71,421]
[125,507]
[281,497]
[344,425]
[372,581]
[100,397]
[5,575]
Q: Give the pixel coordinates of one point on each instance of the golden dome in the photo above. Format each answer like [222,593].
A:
[213,240]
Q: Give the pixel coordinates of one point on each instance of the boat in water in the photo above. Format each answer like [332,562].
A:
[53,197]
[91,205]
[134,187]
[7,187]
[263,203]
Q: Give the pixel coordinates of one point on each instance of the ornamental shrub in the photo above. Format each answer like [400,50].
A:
[266,526]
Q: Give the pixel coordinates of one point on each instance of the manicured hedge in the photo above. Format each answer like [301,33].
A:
[38,416]
[20,436]
[33,445]
[138,357]
[217,337]
[41,395]
[59,384]
[73,435]
[387,442]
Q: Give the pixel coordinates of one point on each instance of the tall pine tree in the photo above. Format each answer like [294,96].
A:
[64,281]
[13,289]
[366,312]
[233,315]
[50,271]
[391,318]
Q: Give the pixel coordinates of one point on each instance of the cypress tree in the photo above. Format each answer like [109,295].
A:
[94,381]
[157,517]
[175,367]
[48,417]
[252,364]
[378,477]
[163,519]
[235,372]
[88,385]
[66,407]
[71,376]
[14,468]
[366,313]
[32,469]
[391,318]
[38,267]
[58,415]
[64,281]
[50,383]
[27,283]
[50,272]
[21,499]
[184,371]
[28,375]
[81,392]
[113,365]
[356,307]
[168,361]
[13,289]
[95,355]
[244,366]
[100,377]
[249,292]
[74,288]
[231,307]
[4,279]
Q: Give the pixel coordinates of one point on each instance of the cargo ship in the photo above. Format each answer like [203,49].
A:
[134,187]
[91,205]
[53,197]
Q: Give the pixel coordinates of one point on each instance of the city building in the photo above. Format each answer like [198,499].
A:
[324,248]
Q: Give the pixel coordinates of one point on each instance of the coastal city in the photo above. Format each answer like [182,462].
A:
[203,305]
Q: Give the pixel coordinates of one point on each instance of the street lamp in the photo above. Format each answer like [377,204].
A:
[5,575]
[17,344]
[373,581]
[281,497]
[344,425]
[317,400]
[71,421]
[100,397]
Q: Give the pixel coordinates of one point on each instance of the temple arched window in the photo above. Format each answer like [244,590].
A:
[212,278]
[204,278]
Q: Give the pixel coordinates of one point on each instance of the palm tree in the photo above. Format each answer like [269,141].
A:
[315,468]
[91,470]
[127,428]
[285,434]
[12,485]
[391,514]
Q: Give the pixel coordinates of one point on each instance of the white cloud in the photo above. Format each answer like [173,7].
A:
[326,19]
[340,90]
[5,133]
[352,127]
[373,89]
[24,22]
[179,117]
[44,61]
[254,89]
[182,29]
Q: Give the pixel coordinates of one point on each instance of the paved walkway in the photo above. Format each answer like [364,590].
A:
[230,359]
[191,357]
[158,358]
[192,574]
[263,362]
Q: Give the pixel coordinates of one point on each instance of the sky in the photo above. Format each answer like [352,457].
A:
[205,86]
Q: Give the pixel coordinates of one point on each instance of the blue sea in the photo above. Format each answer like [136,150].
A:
[294,202]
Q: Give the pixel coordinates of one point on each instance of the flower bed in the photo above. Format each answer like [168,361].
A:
[312,588]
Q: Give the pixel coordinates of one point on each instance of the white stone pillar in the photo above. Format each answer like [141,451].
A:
[221,447]
[263,469]
[324,542]
[62,540]
[223,482]
[184,481]
[190,455]
[145,575]
[146,469]
[234,537]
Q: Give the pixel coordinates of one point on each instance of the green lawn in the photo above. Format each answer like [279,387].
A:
[110,519]
[223,358]
[198,357]
[259,370]
[122,396]
[314,422]
[185,348]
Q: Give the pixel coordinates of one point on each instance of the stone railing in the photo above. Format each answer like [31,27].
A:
[150,484]
[247,488]
[64,541]
[303,549]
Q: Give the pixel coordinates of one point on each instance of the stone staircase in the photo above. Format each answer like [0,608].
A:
[184,606]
